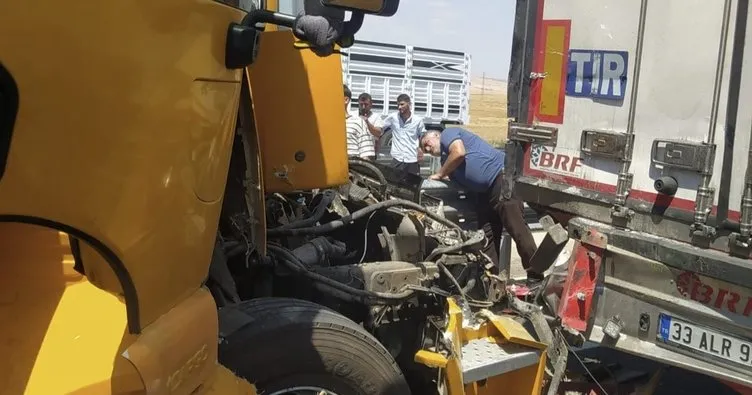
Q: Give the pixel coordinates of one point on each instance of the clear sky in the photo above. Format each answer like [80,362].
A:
[482,28]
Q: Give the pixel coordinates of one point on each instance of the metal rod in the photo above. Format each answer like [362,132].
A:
[732,110]
[637,66]
[719,73]
[624,182]
[745,220]
[705,194]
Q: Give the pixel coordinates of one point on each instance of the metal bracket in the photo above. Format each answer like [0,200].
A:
[739,245]
[682,154]
[535,75]
[605,143]
[549,249]
[537,134]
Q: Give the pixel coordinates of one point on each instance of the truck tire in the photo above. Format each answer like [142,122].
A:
[290,346]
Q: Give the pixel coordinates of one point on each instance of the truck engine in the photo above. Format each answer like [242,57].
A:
[377,250]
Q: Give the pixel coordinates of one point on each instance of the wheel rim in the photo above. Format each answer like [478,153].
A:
[304,391]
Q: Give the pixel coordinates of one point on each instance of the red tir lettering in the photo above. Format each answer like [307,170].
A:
[546,159]
[561,162]
[690,285]
[732,301]
[575,164]
[720,297]
[702,293]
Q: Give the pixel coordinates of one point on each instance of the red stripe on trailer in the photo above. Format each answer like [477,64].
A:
[658,200]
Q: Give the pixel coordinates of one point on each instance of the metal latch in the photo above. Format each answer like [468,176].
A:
[604,143]
[535,75]
[682,154]
[544,135]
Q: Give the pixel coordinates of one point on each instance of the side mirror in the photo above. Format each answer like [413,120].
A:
[376,7]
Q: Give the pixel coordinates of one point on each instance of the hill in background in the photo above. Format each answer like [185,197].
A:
[488,109]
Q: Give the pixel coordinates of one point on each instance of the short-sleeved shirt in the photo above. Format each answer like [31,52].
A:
[359,139]
[374,119]
[482,163]
[405,137]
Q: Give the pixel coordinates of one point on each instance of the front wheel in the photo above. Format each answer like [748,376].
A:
[289,346]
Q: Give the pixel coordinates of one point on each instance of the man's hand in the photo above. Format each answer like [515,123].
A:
[437,177]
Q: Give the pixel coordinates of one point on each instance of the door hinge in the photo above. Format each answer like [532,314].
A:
[537,134]
[682,155]
[536,75]
[605,144]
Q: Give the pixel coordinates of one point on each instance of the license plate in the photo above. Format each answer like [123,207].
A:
[705,341]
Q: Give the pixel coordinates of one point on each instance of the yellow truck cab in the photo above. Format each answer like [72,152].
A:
[178,215]
[116,127]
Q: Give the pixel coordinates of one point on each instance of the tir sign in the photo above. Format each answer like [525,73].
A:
[597,74]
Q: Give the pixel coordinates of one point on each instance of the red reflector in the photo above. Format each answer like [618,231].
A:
[576,303]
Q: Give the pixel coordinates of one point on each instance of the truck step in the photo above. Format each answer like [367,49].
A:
[482,358]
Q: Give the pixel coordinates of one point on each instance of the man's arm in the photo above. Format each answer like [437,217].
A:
[454,158]
[375,130]
[365,143]
[420,130]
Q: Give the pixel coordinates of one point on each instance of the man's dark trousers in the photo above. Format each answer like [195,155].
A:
[413,168]
[498,211]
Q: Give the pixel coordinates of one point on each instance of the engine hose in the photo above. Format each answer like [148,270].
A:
[355,162]
[327,197]
[338,223]
[470,284]
[452,279]
[445,250]
[294,264]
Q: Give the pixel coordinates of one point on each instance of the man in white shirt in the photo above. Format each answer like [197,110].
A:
[373,121]
[359,139]
[406,131]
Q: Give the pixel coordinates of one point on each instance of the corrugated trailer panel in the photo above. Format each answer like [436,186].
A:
[438,81]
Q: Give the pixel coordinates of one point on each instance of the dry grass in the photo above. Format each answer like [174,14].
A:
[488,110]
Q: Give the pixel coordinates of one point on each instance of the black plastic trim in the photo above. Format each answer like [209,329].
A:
[379,59]
[523,50]
[117,266]
[9,100]
[78,263]
[442,51]
[374,43]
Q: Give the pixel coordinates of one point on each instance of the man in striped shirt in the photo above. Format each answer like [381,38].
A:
[373,120]
[359,138]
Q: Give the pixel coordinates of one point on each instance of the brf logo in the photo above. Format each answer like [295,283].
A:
[544,159]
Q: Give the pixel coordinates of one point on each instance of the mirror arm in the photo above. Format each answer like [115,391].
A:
[264,16]
[354,24]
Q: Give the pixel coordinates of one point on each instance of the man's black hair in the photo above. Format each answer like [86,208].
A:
[403,97]
[365,96]
[348,93]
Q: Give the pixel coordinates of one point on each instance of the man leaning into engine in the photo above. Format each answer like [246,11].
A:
[479,167]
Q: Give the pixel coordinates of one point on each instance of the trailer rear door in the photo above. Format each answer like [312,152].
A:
[612,101]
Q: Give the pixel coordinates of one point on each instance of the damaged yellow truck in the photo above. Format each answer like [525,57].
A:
[179,216]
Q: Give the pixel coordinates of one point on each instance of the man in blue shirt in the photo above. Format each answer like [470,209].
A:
[406,130]
[477,166]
